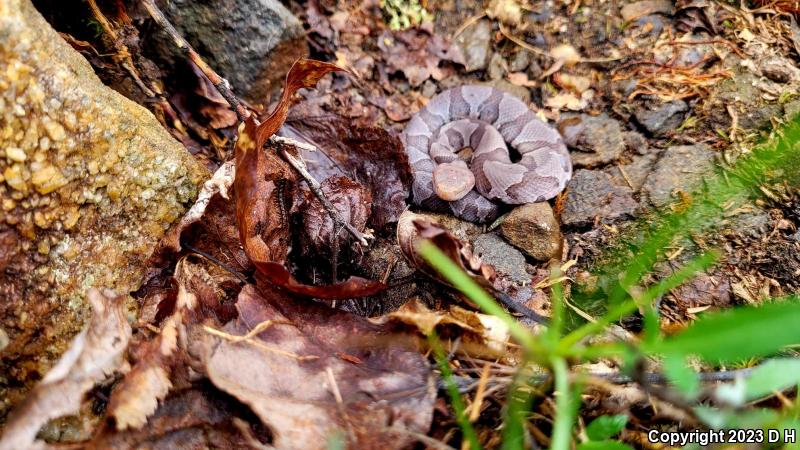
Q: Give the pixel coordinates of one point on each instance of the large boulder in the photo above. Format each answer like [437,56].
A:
[89,182]
[252,43]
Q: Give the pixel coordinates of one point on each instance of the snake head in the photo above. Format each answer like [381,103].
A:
[453,180]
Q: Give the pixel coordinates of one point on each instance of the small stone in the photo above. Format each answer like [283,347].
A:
[48,179]
[520,92]
[506,259]
[779,69]
[635,142]
[498,67]
[680,168]
[54,130]
[16,154]
[520,61]
[475,43]
[533,228]
[13,177]
[634,173]
[591,196]
[791,109]
[662,119]
[595,140]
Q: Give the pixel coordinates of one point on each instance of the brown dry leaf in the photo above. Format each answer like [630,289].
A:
[351,199]
[197,418]
[479,334]
[136,397]
[416,53]
[370,155]
[94,354]
[264,185]
[413,229]
[314,371]
[219,184]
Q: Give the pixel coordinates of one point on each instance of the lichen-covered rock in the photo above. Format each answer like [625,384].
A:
[89,182]
[252,43]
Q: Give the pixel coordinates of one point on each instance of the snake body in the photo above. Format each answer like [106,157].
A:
[471,184]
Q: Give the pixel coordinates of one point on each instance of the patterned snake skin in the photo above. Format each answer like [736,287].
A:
[483,119]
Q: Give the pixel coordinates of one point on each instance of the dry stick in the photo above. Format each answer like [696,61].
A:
[224,88]
[315,187]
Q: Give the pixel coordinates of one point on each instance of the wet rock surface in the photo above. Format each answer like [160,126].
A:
[507,260]
[593,196]
[680,168]
[249,42]
[533,228]
[89,182]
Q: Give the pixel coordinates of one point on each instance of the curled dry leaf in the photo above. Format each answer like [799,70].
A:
[95,353]
[136,397]
[313,371]
[263,186]
[351,199]
[416,53]
[370,155]
[413,229]
[479,334]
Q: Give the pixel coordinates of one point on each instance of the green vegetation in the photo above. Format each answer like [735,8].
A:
[402,14]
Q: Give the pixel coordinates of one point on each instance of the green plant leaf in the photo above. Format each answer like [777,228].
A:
[774,375]
[683,377]
[603,445]
[737,334]
[605,427]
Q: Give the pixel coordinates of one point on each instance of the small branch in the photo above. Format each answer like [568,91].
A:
[220,83]
[316,188]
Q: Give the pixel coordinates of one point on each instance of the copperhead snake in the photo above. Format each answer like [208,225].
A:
[460,161]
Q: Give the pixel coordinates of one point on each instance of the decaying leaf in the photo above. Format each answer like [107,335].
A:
[136,397]
[314,372]
[94,354]
[412,229]
[370,155]
[263,187]
[351,199]
[417,53]
[479,334]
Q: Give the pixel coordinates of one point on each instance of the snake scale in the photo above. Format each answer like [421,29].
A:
[458,148]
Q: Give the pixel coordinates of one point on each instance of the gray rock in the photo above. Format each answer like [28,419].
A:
[89,182]
[506,259]
[498,67]
[741,93]
[753,223]
[680,168]
[466,231]
[595,140]
[791,109]
[634,173]
[779,69]
[476,44]
[591,195]
[662,119]
[520,61]
[252,43]
[636,143]
[533,228]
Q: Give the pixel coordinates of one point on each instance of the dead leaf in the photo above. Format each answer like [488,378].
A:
[635,10]
[95,353]
[417,53]
[370,155]
[136,397]
[351,199]
[478,334]
[304,400]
